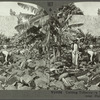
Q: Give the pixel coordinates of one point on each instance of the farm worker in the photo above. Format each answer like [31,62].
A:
[75,53]
[90,51]
[5,52]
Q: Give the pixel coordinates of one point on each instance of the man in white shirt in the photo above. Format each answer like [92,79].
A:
[90,52]
[5,52]
[75,53]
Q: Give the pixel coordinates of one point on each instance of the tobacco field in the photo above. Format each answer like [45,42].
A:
[41,53]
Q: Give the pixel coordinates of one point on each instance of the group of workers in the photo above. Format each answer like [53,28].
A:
[79,50]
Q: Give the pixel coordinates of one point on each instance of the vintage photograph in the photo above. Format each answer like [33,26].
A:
[75,58]
[24,32]
[60,51]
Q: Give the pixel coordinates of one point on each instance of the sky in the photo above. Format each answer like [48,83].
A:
[8,23]
[88,8]
[6,6]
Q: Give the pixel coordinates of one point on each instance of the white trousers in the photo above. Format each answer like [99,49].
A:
[75,58]
[91,54]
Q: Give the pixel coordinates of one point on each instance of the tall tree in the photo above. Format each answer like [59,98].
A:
[47,30]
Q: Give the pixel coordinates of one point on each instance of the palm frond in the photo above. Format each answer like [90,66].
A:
[26,16]
[76,25]
[21,27]
[28,7]
[36,10]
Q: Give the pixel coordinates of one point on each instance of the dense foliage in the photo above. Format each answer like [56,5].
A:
[41,57]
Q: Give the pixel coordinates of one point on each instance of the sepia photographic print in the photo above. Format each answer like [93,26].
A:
[75,64]
[53,49]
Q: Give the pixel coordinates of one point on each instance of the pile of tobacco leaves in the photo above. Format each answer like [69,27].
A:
[27,73]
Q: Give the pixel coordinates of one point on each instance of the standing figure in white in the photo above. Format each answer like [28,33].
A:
[5,52]
[91,53]
[75,53]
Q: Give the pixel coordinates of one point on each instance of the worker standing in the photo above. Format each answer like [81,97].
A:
[90,52]
[75,53]
[5,52]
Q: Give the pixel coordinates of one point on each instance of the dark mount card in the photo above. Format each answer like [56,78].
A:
[49,49]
